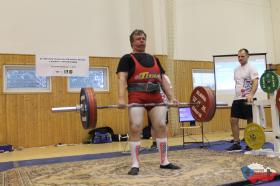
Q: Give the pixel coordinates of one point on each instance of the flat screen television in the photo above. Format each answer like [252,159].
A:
[185,115]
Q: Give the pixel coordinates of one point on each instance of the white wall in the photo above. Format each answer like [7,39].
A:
[215,27]
[202,28]
[75,27]
[150,16]
[275,14]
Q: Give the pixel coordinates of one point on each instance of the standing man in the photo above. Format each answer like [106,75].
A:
[246,85]
[143,77]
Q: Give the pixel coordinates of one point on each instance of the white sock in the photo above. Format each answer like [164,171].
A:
[162,147]
[134,151]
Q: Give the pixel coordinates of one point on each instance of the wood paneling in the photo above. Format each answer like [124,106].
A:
[26,118]
[277,67]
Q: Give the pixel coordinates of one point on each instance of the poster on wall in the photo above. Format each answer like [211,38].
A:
[62,65]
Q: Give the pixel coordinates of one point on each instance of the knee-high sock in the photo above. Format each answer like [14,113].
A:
[162,147]
[134,150]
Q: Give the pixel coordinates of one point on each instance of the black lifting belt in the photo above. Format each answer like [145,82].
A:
[144,87]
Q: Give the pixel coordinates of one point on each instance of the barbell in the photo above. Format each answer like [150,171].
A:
[254,134]
[202,104]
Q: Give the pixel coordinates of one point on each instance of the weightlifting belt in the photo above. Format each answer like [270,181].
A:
[144,87]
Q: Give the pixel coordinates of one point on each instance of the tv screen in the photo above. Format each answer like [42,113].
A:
[185,114]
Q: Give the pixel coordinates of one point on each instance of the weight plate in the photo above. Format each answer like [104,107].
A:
[88,111]
[203,104]
[269,81]
[278,100]
[254,136]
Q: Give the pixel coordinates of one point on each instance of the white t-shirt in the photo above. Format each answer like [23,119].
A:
[243,76]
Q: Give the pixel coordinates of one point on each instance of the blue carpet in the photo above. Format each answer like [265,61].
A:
[217,146]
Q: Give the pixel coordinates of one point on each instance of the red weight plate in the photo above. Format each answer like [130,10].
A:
[84,114]
[92,107]
[278,100]
[203,104]
[213,97]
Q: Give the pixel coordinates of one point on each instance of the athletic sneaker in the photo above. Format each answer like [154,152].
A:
[170,166]
[133,171]
[232,141]
[234,148]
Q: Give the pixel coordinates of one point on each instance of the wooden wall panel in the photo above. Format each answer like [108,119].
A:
[3,125]
[183,77]
[277,67]
[26,118]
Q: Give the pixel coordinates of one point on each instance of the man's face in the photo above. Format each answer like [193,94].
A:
[243,57]
[139,43]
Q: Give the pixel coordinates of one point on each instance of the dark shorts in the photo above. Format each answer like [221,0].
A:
[240,109]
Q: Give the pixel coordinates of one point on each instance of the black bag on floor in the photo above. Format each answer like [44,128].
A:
[104,135]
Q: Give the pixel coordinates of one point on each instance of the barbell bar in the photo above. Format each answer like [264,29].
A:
[78,107]
[67,109]
[202,104]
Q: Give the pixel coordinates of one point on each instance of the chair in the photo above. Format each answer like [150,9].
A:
[190,126]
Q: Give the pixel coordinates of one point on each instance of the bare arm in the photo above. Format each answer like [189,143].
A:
[254,86]
[167,88]
[122,76]
[254,90]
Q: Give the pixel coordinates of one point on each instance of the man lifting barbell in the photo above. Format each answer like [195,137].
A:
[143,76]
[144,83]
[246,85]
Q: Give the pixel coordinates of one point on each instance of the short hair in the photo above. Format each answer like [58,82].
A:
[136,32]
[245,50]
